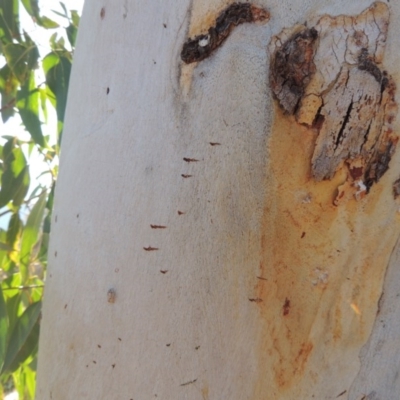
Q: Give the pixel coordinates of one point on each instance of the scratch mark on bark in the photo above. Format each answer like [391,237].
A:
[150,248]
[189,383]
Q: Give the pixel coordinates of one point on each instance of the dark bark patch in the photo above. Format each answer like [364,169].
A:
[292,67]
[367,64]
[379,164]
[201,46]
[396,189]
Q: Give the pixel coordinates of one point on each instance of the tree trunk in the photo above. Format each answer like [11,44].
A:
[226,217]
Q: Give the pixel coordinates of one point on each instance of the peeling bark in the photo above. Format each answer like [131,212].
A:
[292,68]
[337,87]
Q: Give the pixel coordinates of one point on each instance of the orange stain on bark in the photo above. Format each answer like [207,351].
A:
[310,282]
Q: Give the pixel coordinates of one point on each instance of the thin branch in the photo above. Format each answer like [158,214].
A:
[5,212]
[24,287]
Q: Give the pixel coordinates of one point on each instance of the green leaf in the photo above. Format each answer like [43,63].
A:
[28,349]
[32,8]
[75,17]
[9,21]
[15,175]
[31,234]
[22,187]
[22,329]
[57,69]
[72,32]
[64,8]
[60,14]
[3,328]
[13,301]
[43,103]
[14,230]
[33,55]
[8,90]
[22,58]
[72,29]
[5,262]
[28,105]
[5,246]
[47,23]
[15,55]
[30,381]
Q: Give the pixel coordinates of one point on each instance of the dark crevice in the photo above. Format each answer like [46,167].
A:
[396,189]
[385,82]
[340,135]
[319,118]
[366,134]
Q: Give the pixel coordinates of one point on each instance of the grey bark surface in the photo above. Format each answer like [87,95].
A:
[173,209]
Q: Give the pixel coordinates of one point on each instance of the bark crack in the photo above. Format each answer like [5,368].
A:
[341,135]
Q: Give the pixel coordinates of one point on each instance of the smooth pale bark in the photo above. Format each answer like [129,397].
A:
[230,277]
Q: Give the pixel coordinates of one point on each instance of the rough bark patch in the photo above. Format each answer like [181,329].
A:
[330,77]
[292,67]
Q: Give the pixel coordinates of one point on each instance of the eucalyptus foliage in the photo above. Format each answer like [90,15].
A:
[25,204]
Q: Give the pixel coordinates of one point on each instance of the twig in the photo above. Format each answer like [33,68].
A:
[24,287]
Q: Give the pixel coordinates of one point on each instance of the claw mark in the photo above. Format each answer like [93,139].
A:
[201,46]
[150,248]
[189,383]
[111,295]
[341,394]
[215,144]
[286,307]
[256,300]
[189,160]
